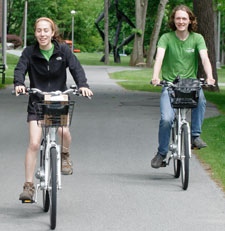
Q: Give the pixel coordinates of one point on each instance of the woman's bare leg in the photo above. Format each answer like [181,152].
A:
[31,154]
[65,136]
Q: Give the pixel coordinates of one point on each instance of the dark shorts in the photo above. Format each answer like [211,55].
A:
[31,116]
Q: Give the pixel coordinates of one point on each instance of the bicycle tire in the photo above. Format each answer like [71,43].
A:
[46,200]
[176,162]
[184,157]
[45,193]
[53,186]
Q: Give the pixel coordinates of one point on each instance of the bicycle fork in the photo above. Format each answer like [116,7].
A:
[175,148]
[182,113]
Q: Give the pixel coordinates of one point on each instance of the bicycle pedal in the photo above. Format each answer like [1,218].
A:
[163,164]
[28,201]
[195,148]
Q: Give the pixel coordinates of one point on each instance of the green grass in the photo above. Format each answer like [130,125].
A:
[84,58]
[94,59]
[214,155]
[212,130]
[11,62]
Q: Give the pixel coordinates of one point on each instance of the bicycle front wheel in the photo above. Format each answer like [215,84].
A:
[53,187]
[174,143]
[45,193]
[185,155]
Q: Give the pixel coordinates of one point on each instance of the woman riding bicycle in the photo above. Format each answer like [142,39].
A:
[46,64]
[177,54]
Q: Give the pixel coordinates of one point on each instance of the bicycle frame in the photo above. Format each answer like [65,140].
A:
[181,116]
[43,175]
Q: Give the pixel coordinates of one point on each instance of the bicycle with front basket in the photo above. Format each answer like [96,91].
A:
[184,94]
[56,110]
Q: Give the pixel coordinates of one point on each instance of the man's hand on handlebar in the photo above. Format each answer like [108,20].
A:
[155,81]
[210,81]
[20,90]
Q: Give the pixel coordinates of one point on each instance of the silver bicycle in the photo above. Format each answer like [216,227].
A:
[56,110]
[184,94]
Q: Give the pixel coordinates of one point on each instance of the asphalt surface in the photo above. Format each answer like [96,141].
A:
[113,187]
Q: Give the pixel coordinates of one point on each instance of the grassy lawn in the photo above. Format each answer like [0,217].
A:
[213,129]
[11,62]
[94,59]
[84,58]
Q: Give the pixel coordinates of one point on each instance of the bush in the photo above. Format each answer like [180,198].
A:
[15,39]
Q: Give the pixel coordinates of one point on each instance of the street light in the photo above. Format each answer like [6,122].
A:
[25,24]
[4,35]
[218,40]
[73,13]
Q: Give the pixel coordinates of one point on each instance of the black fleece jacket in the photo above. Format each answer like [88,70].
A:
[48,75]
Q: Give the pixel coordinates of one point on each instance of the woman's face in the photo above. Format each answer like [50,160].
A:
[44,34]
[181,20]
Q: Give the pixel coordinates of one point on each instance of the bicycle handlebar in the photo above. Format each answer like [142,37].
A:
[72,89]
[164,83]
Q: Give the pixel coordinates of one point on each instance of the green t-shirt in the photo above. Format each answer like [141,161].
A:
[48,53]
[181,57]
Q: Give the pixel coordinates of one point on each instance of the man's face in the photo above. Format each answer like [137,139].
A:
[181,20]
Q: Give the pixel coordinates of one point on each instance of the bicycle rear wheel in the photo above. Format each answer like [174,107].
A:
[45,193]
[176,162]
[53,188]
[185,155]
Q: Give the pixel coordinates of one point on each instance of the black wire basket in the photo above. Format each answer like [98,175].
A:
[54,113]
[185,94]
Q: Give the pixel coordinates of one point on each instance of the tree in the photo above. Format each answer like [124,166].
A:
[137,56]
[204,12]
[155,33]
[106,31]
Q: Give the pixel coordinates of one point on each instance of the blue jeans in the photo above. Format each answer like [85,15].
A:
[167,116]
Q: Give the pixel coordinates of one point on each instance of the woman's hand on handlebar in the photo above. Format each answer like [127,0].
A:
[86,91]
[20,90]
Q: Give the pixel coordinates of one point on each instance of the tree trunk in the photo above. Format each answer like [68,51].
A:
[204,12]
[106,31]
[22,27]
[137,56]
[155,32]
[223,44]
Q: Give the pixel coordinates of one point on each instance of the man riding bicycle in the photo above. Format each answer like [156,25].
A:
[177,54]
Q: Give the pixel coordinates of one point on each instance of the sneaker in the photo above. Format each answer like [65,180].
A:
[198,143]
[28,191]
[66,164]
[158,160]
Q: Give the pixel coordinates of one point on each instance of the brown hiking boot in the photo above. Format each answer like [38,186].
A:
[28,191]
[66,164]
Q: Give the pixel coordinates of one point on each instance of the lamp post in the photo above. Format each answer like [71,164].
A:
[25,24]
[73,13]
[218,40]
[4,35]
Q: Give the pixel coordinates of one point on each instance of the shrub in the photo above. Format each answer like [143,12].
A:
[15,39]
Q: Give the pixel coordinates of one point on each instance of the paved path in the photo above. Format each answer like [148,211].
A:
[113,187]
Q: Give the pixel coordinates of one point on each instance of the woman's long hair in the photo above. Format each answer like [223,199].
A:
[192,26]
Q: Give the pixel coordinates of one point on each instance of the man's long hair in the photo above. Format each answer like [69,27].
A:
[192,26]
